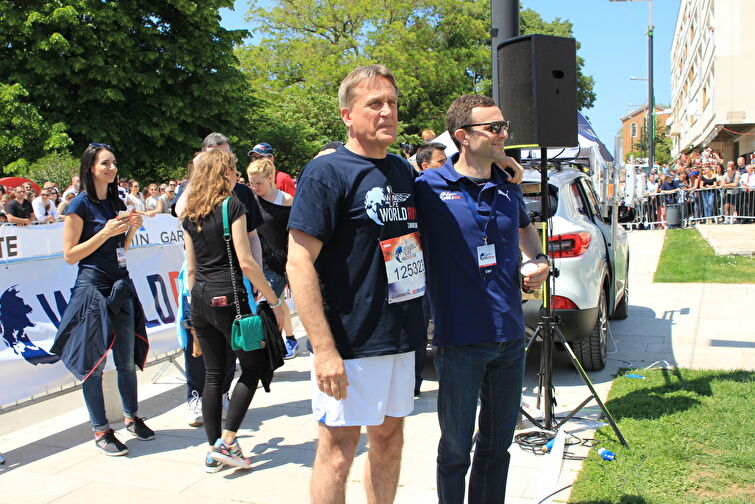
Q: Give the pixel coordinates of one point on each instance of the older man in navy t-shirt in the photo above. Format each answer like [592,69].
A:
[356,270]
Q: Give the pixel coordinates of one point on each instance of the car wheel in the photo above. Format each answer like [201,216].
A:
[593,349]
[622,309]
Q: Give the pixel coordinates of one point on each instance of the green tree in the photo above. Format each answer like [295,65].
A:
[24,133]
[663,144]
[438,49]
[297,126]
[57,167]
[149,77]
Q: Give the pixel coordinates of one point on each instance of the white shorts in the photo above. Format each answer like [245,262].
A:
[378,387]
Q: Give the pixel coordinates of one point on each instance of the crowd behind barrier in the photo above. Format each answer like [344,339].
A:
[700,206]
[698,187]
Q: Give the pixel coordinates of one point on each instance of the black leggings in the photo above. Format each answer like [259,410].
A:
[213,328]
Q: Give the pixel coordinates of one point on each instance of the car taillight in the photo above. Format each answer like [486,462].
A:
[569,245]
[562,303]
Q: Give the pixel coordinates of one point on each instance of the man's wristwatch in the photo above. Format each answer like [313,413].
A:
[547,259]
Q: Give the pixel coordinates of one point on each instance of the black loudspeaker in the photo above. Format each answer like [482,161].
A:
[537,90]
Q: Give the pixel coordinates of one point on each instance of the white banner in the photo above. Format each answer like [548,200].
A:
[34,293]
[45,240]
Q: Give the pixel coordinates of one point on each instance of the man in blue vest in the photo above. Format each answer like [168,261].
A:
[473,224]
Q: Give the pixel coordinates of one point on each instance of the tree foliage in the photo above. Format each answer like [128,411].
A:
[150,78]
[438,49]
[56,167]
[24,134]
[662,147]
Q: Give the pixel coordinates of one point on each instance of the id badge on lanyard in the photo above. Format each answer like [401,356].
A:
[120,253]
[486,258]
[404,267]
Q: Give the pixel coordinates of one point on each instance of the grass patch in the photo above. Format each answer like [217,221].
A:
[687,258]
[690,438]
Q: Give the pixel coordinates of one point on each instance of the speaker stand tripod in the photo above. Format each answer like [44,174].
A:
[546,328]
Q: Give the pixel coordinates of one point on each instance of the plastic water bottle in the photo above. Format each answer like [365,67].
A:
[606,454]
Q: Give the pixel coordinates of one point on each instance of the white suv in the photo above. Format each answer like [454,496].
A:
[592,285]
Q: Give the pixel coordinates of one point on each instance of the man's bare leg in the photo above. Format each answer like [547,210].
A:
[336,447]
[383,460]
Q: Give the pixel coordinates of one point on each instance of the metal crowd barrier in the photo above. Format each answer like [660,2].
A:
[687,208]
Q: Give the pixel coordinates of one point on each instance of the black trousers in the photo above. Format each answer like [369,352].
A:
[212,325]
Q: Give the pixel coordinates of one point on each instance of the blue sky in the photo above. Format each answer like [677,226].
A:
[613,38]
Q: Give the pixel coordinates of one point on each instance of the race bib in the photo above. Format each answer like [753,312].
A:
[404,267]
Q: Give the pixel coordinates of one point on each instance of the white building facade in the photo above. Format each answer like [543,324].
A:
[713,77]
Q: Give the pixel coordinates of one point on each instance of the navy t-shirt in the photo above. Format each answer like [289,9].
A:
[246,196]
[350,203]
[210,251]
[95,215]
[471,305]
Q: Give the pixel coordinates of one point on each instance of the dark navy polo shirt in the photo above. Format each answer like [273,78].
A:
[470,304]
[95,215]
[350,203]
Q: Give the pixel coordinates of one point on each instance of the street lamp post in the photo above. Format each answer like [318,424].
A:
[651,97]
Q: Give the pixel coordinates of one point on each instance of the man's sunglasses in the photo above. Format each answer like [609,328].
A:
[494,127]
[96,145]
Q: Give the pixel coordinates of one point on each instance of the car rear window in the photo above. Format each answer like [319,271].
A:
[532,200]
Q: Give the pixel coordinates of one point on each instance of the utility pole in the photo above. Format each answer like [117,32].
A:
[504,15]
[651,97]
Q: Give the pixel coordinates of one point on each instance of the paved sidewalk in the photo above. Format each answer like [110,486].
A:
[728,239]
[52,458]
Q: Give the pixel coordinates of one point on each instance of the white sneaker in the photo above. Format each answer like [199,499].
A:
[194,414]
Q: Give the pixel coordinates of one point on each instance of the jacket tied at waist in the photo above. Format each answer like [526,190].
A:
[86,334]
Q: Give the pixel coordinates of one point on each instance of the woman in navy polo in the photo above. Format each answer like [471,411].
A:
[104,312]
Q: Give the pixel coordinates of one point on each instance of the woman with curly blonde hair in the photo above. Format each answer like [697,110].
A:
[212,282]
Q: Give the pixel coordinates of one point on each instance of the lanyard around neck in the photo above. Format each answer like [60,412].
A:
[481,221]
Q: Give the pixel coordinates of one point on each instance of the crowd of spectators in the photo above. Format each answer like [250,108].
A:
[23,205]
[708,188]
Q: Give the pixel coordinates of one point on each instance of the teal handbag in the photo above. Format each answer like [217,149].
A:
[247,331]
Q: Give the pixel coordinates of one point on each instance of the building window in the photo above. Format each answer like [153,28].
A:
[633,130]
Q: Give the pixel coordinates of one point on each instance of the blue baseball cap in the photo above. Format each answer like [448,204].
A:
[263,149]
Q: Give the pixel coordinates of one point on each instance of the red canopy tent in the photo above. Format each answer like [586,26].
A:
[11,182]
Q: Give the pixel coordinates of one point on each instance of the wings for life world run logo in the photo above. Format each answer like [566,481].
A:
[14,319]
[406,251]
[383,205]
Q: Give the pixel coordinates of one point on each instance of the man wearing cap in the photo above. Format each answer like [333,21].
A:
[283,181]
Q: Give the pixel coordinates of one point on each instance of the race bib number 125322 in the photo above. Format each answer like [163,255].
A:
[404,267]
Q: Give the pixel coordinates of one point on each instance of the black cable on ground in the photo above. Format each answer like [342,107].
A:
[534,441]
[552,494]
